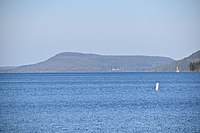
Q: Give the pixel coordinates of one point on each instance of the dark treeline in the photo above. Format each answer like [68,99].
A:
[194,66]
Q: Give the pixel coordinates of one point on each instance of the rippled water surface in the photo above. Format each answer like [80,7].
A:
[100,102]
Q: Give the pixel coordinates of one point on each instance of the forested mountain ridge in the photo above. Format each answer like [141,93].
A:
[79,62]
[182,64]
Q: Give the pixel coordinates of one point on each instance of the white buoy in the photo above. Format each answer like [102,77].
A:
[157,85]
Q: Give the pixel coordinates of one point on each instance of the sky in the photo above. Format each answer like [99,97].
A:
[32,31]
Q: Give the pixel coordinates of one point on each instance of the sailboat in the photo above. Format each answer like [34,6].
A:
[177,70]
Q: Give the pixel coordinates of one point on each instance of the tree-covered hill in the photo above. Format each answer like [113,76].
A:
[182,64]
[79,62]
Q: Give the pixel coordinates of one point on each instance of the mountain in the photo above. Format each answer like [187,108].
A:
[182,64]
[79,62]
[195,66]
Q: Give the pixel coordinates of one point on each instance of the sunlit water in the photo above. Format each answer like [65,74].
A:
[100,102]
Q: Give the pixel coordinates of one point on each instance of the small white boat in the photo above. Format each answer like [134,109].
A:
[157,86]
[177,70]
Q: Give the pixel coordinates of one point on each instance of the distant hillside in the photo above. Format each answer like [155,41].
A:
[183,64]
[195,66]
[79,62]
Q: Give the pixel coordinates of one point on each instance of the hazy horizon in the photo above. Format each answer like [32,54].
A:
[33,31]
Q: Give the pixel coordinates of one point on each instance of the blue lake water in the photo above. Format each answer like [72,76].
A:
[100,102]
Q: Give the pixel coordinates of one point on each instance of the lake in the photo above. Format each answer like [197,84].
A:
[100,102]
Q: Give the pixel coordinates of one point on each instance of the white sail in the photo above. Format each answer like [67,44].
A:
[157,85]
[177,70]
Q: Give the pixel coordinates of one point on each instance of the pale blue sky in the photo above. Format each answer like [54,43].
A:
[34,30]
